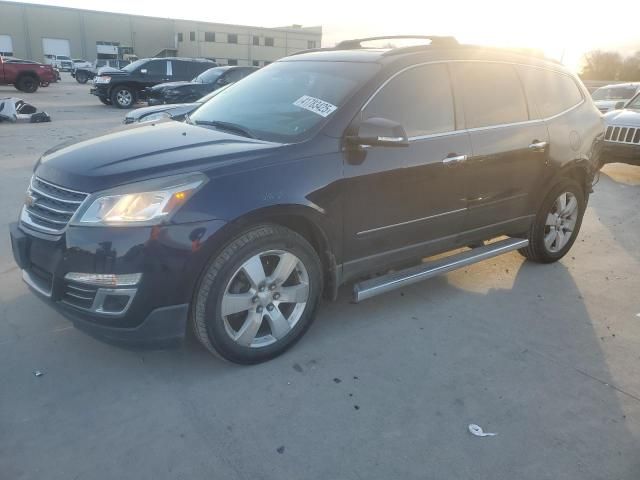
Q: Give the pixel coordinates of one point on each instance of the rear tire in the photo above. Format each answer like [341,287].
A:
[82,77]
[27,84]
[268,280]
[557,223]
[123,97]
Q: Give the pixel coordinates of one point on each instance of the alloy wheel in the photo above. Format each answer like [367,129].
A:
[124,98]
[265,298]
[561,222]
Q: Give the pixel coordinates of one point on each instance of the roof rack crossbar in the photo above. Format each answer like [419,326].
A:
[357,42]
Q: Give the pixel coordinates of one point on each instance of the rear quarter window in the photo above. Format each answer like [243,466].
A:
[491,94]
[552,92]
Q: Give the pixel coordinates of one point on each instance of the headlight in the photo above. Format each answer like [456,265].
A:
[143,203]
[102,79]
[154,117]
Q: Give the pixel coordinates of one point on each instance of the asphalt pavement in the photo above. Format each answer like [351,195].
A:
[546,356]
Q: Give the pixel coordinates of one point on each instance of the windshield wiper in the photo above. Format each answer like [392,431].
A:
[230,127]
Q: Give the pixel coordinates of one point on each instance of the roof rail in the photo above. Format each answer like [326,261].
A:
[435,41]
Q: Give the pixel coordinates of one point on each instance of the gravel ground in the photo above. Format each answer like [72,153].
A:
[546,356]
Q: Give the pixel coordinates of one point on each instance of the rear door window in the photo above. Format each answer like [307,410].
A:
[491,94]
[420,99]
[182,70]
[552,92]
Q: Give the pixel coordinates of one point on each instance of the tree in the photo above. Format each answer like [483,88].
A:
[601,65]
[630,68]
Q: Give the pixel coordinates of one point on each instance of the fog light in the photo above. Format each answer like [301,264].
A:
[115,303]
[105,279]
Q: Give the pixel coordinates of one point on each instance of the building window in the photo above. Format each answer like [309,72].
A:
[268,41]
[256,63]
[232,61]
[209,36]
[256,40]
[180,37]
[192,36]
[232,38]
[311,44]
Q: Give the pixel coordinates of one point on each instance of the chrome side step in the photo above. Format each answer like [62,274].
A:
[402,278]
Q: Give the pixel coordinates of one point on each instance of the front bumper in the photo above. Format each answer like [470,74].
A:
[621,153]
[155,310]
[100,90]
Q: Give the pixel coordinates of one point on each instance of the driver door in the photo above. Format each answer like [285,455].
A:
[399,200]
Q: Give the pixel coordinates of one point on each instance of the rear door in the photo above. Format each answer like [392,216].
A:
[399,199]
[509,146]
[556,96]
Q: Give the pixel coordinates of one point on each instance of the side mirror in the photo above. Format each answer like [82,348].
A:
[380,132]
[619,106]
[144,71]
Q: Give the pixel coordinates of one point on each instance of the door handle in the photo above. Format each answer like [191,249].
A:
[538,146]
[453,159]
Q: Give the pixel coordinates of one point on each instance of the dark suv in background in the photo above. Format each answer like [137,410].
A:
[123,88]
[206,82]
[318,170]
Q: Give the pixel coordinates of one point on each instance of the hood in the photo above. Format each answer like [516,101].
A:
[148,151]
[627,118]
[170,85]
[109,71]
[173,109]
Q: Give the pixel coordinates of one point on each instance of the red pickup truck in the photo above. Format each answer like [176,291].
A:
[25,75]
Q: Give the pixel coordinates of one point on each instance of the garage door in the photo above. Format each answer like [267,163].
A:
[6,45]
[56,46]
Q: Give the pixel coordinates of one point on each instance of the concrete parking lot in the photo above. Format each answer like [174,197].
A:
[548,357]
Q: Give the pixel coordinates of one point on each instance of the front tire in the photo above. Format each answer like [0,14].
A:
[123,97]
[258,296]
[557,223]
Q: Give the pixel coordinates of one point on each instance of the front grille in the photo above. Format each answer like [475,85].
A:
[629,135]
[79,295]
[49,207]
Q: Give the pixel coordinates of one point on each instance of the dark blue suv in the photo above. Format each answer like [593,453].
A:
[321,169]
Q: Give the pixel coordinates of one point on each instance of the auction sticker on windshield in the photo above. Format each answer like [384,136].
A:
[315,105]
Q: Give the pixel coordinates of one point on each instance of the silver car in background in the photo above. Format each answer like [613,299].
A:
[612,97]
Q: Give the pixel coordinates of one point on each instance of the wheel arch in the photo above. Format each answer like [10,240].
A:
[305,221]
[31,73]
[579,170]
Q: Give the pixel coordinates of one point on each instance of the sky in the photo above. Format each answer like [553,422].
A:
[562,29]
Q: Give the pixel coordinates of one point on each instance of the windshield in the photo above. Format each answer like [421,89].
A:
[209,76]
[286,101]
[614,93]
[63,57]
[133,66]
[634,103]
